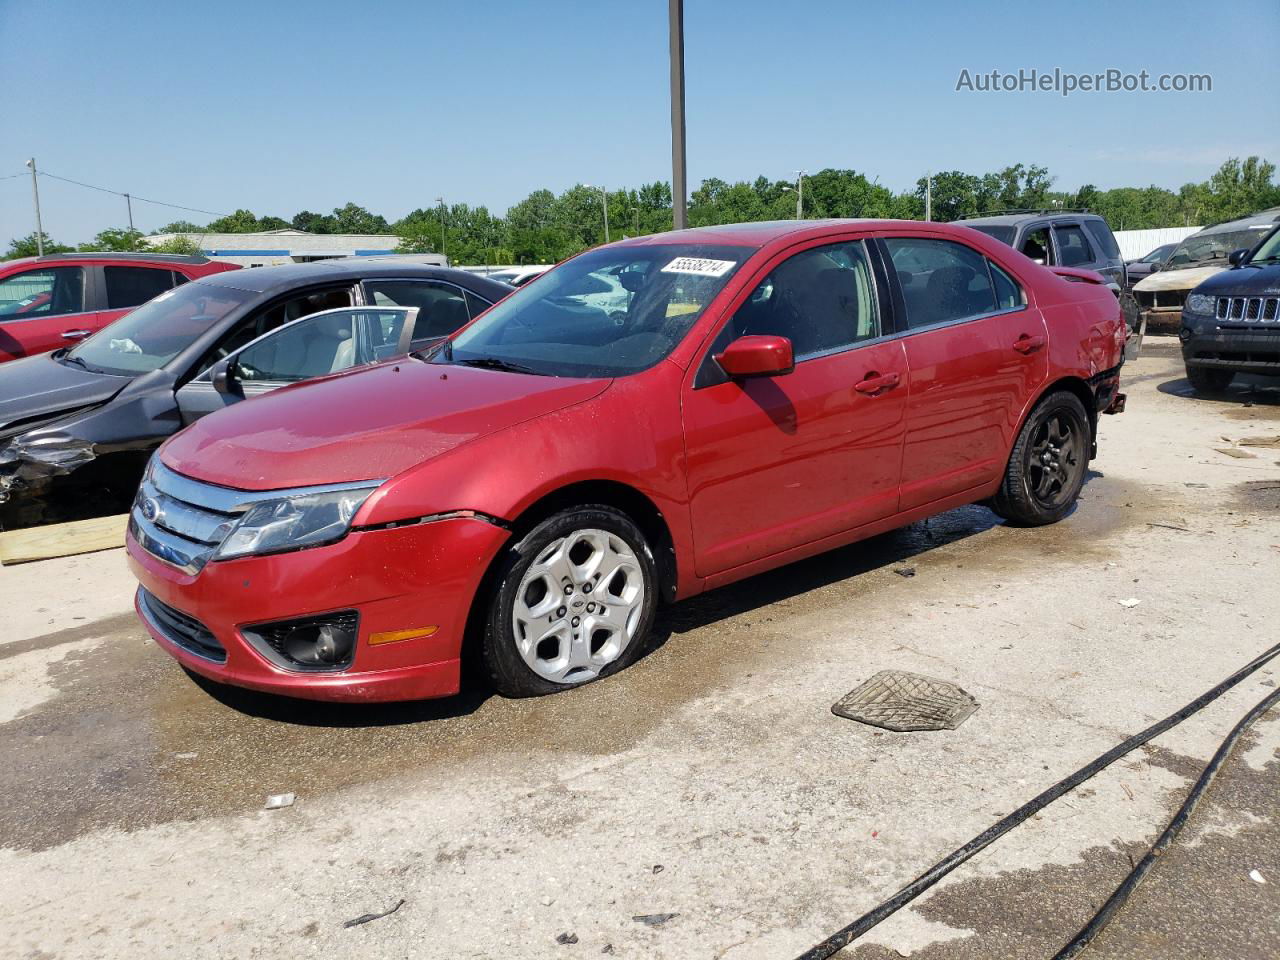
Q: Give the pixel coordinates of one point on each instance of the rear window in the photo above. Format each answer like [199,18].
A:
[1103,236]
[130,286]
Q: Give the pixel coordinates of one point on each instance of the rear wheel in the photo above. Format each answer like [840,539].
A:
[574,602]
[1047,466]
[1209,379]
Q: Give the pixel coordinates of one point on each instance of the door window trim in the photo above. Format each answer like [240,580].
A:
[1088,245]
[708,372]
[900,302]
[88,292]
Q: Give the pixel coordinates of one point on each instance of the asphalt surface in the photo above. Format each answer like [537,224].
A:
[710,780]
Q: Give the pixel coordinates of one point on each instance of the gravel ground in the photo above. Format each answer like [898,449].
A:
[711,780]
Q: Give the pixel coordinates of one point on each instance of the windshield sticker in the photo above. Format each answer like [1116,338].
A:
[699,267]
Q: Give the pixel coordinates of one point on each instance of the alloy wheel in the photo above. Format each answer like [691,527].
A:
[1056,456]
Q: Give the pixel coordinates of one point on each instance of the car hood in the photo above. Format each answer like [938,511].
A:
[364,425]
[1176,279]
[37,388]
[1242,282]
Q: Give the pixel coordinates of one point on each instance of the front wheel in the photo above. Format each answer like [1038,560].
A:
[574,601]
[1047,466]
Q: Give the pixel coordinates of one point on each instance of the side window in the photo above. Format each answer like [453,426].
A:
[130,286]
[307,349]
[822,300]
[264,321]
[1103,237]
[941,280]
[179,278]
[1036,245]
[1008,294]
[1073,248]
[475,305]
[47,292]
[442,308]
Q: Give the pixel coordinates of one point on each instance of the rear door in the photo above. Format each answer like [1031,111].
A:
[976,353]
[45,307]
[313,346]
[443,307]
[775,463]
[125,286]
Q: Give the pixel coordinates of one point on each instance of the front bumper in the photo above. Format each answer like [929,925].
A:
[404,578]
[1241,351]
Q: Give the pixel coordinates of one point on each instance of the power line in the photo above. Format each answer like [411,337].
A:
[134,196]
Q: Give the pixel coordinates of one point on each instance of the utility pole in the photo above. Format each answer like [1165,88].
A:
[928,196]
[440,200]
[128,201]
[799,194]
[604,199]
[675,23]
[35,192]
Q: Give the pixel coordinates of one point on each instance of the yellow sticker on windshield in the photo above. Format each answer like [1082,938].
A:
[699,267]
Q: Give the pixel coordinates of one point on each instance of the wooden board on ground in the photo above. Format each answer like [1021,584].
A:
[62,539]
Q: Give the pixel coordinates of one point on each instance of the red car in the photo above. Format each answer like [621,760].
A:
[530,491]
[52,301]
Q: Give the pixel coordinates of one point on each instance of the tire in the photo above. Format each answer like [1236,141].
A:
[1209,380]
[1048,463]
[540,638]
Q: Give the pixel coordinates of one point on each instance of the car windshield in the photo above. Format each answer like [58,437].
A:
[1157,255]
[607,313]
[1205,247]
[1001,233]
[1270,249]
[157,331]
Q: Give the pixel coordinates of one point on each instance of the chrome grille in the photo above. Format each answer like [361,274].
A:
[1248,309]
[183,521]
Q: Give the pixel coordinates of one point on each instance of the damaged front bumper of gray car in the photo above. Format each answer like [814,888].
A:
[30,461]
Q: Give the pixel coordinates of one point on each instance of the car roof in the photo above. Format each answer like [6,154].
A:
[289,275]
[1261,218]
[106,255]
[760,233]
[1013,219]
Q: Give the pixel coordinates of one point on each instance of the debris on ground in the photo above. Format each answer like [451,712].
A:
[608,948]
[903,702]
[905,571]
[366,917]
[1259,441]
[658,868]
[566,938]
[1130,603]
[1257,877]
[548,901]
[655,919]
[186,756]
[1237,453]
[278,800]
[1168,526]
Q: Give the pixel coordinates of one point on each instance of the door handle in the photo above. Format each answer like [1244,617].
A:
[1026,344]
[876,383]
[75,334]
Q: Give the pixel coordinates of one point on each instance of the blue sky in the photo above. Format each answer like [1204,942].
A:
[281,106]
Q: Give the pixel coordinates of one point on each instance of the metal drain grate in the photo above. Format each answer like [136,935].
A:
[897,700]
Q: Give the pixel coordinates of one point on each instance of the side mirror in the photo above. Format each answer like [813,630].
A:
[631,281]
[757,356]
[1156,267]
[1237,257]
[223,376]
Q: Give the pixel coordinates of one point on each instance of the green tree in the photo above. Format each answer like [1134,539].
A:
[26,247]
[180,244]
[242,221]
[356,219]
[273,223]
[312,222]
[114,240]
[181,226]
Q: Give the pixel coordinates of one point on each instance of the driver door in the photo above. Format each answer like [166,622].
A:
[315,346]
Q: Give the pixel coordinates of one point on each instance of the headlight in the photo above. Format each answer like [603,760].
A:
[289,523]
[1201,303]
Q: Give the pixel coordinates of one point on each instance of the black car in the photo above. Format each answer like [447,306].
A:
[1135,270]
[1231,321]
[87,417]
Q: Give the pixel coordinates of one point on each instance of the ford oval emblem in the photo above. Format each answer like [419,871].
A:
[150,509]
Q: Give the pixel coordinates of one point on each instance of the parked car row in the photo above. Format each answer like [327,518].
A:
[90,414]
[646,421]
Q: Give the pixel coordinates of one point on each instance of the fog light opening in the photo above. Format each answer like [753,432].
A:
[318,644]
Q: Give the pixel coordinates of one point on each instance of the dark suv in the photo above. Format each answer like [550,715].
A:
[1060,238]
[1231,321]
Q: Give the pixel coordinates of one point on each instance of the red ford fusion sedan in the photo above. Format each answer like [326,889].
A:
[534,487]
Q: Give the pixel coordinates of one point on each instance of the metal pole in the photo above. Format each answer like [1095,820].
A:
[128,200]
[440,200]
[675,23]
[928,196]
[35,192]
[604,198]
[799,194]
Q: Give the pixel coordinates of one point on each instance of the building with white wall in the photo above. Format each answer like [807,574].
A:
[271,247]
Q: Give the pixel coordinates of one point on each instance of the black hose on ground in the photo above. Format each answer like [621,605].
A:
[846,935]
[1118,899]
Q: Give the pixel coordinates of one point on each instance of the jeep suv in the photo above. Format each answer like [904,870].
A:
[53,301]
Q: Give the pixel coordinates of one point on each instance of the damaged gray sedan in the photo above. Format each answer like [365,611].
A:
[80,423]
